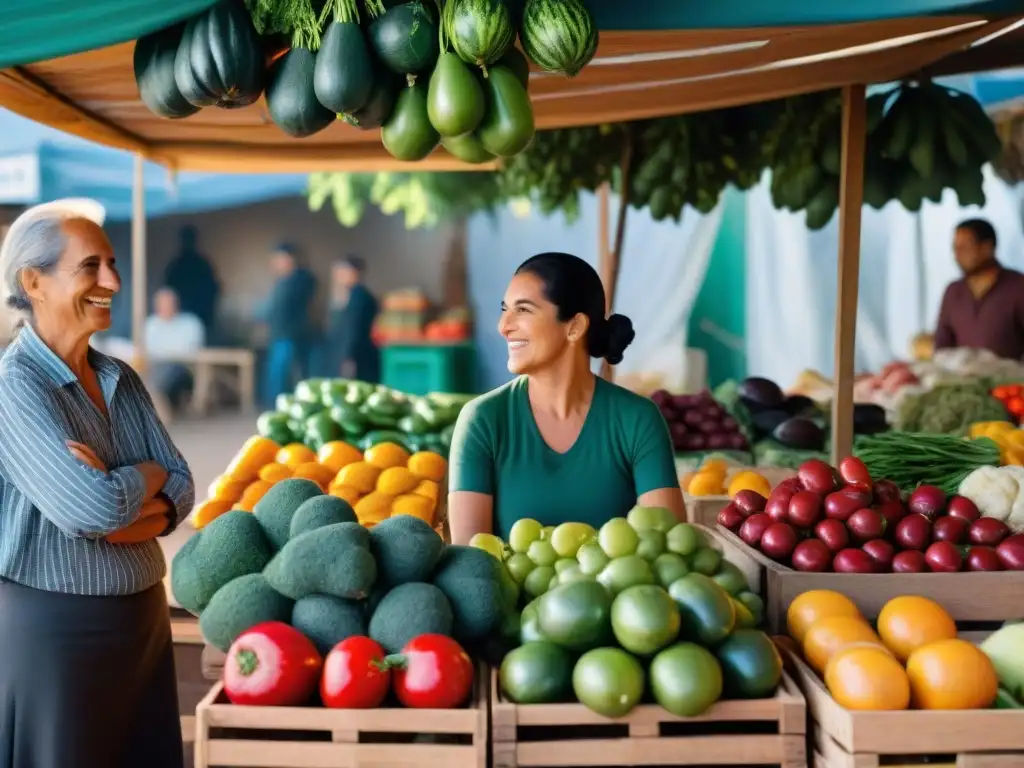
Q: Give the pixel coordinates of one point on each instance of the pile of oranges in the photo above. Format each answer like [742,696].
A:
[385,480]
[912,659]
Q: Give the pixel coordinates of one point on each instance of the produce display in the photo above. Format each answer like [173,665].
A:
[998,493]
[698,423]
[1012,398]
[949,409]
[384,480]
[849,522]
[425,77]
[644,605]
[321,411]
[911,659]
[275,665]
[302,558]
[1008,436]
[912,459]
[711,480]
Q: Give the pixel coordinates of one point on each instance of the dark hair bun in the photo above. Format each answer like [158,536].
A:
[610,338]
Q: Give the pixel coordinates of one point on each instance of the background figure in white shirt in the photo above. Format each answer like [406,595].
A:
[172,336]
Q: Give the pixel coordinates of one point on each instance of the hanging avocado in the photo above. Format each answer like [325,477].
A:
[507,128]
[220,59]
[343,77]
[153,60]
[291,101]
[404,37]
[467,148]
[407,134]
[383,93]
[455,100]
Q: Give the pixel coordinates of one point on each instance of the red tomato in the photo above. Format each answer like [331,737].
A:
[432,672]
[271,665]
[355,676]
[1015,405]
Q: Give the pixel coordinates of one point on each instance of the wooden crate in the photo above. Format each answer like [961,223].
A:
[763,732]
[984,600]
[314,737]
[841,738]
[704,510]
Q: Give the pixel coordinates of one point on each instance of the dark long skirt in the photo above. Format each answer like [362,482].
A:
[87,682]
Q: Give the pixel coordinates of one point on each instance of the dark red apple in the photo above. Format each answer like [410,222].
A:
[790,485]
[893,512]
[777,506]
[779,541]
[853,561]
[730,516]
[841,504]
[865,525]
[914,532]
[753,528]
[812,555]
[909,561]
[962,507]
[882,552]
[886,490]
[833,534]
[943,557]
[817,476]
[983,559]
[749,502]
[988,531]
[804,509]
[927,500]
[951,529]
[1011,552]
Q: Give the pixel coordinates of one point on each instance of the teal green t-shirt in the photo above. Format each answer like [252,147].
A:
[624,450]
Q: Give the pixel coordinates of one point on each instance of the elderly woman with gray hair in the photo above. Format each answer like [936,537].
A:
[89,479]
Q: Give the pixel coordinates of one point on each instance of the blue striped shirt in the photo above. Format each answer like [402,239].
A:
[54,510]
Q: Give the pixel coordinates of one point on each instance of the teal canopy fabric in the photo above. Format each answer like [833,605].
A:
[36,30]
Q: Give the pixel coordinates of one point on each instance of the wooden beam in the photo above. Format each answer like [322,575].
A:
[851,201]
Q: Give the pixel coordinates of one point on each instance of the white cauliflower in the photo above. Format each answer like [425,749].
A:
[993,491]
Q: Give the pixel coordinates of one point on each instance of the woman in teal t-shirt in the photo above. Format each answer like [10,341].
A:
[558,444]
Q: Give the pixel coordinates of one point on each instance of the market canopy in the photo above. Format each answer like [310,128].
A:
[714,63]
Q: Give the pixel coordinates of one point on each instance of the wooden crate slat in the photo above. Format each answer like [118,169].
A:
[689,750]
[246,753]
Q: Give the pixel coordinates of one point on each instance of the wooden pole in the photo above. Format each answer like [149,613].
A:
[139,280]
[613,261]
[851,200]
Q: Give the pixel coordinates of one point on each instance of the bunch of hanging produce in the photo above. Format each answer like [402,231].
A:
[922,138]
[425,77]
[323,410]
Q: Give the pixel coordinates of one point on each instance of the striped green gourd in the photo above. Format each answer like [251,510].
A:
[479,31]
[559,36]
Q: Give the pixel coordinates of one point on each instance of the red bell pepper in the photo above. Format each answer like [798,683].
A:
[271,665]
[355,675]
[431,672]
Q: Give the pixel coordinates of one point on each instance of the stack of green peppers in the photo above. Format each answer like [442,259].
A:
[323,410]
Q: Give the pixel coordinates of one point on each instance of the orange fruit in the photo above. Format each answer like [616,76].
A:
[826,637]
[208,511]
[816,604]
[254,454]
[395,481]
[373,508]
[865,676]
[361,475]
[428,465]
[294,454]
[951,674]
[337,454]
[415,505]
[430,489]
[275,473]
[316,472]
[346,492]
[253,493]
[226,488]
[387,455]
[908,622]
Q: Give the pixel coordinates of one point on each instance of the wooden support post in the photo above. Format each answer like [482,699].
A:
[612,259]
[851,200]
[139,279]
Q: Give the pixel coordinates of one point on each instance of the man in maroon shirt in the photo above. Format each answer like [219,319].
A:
[985,309]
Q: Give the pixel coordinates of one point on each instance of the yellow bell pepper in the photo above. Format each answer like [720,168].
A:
[1012,457]
[1015,439]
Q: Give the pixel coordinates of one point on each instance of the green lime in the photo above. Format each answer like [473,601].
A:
[652,544]
[625,572]
[569,537]
[565,562]
[669,567]
[608,681]
[542,553]
[523,533]
[539,581]
[617,538]
[683,539]
[651,519]
[592,558]
[519,566]
[706,561]
[686,679]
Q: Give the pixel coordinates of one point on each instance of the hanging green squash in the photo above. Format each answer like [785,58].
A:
[480,31]
[405,37]
[153,61]
[291,100]
[343,78]
[220,59]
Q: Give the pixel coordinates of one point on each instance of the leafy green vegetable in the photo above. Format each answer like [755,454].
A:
[912,459]
[948,409]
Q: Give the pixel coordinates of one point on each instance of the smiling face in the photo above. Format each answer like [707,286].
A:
[75,295]
[529,323]
[971,253]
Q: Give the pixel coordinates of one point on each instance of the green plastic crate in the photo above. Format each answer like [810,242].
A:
[421,368]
